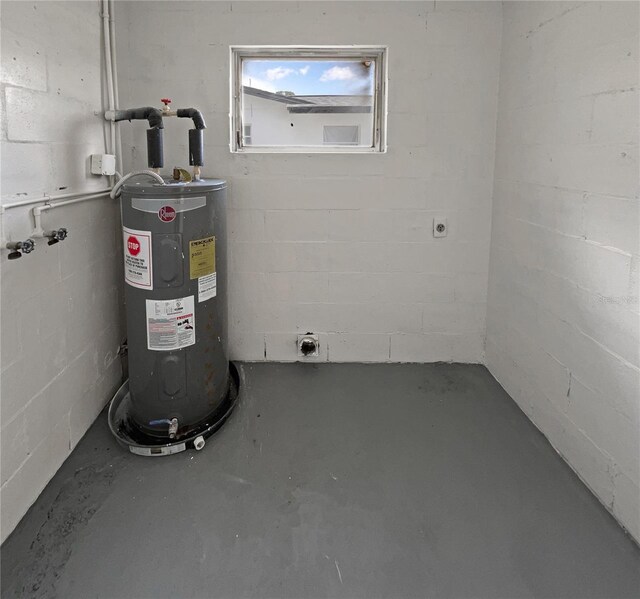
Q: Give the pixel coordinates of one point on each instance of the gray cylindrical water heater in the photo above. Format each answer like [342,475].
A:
[176,306]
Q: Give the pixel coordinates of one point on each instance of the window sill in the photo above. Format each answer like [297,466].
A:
[307,150]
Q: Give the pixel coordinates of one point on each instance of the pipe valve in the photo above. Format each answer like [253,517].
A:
[55,236]
[20,247]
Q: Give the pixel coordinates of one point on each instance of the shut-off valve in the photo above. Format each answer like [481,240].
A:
[20,247]
[55,236]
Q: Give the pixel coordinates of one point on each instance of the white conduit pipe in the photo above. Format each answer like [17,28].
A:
[116,94]
[67,199]
[115,192]
[49,198]
[106,34]
[74,196]
[38,210]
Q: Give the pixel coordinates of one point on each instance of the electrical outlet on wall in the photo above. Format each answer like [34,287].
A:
[440,227]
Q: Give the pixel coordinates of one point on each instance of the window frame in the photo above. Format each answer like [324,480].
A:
[377,53]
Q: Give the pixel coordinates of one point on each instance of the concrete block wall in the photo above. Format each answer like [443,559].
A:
[61,321]
[341,245]
[563,315]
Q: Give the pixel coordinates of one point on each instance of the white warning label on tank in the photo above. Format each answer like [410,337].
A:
[171,324]
[207,287]
[138,267]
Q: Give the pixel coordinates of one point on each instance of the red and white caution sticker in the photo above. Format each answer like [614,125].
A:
[138,267]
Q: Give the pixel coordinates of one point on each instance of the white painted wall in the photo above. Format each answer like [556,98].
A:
[272,124]
[61,315]
[563,313]
[341,244]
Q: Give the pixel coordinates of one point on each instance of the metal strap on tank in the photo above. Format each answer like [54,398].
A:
[178,204]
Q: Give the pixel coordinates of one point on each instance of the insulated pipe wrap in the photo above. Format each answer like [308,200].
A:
[196,147]
[192,113]
[155,153]
[148,113]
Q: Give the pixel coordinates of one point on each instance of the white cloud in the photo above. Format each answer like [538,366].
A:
[279,73]
[304,70]
[258,83]
[337,74]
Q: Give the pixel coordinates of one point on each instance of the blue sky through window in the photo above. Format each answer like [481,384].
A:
[310,77]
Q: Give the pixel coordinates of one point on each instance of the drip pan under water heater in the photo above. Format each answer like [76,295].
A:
[128,435]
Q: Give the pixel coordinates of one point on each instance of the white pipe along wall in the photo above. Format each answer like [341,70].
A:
[342,245]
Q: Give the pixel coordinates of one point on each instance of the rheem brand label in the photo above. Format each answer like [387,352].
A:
[138,267]
[167,214]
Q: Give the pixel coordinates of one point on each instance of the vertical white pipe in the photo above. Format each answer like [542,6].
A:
[106,34]
[116,94]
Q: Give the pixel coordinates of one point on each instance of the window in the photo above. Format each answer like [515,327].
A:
[308,99]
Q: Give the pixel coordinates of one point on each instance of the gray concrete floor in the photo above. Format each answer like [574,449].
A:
[329,481]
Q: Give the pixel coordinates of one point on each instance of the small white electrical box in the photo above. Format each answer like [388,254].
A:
[440,228]
[103,164]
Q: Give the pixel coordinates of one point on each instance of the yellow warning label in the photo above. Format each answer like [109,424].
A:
[202,257]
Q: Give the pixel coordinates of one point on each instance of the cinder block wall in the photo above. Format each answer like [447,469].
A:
[563,313]
[61,305]
[341,245]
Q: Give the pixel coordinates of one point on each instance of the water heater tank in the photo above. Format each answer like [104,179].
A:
[174,239]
